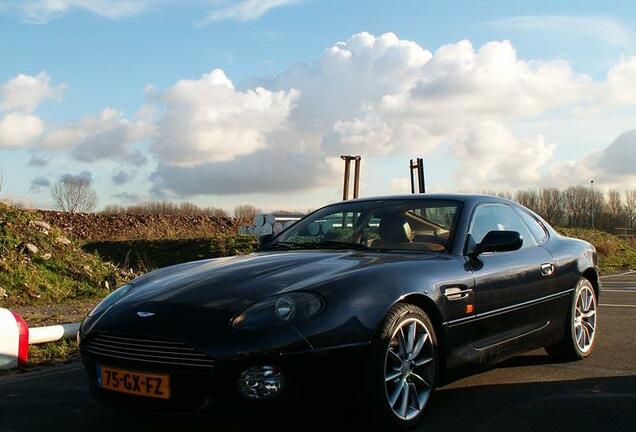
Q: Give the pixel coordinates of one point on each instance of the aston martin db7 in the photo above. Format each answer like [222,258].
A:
[389,293]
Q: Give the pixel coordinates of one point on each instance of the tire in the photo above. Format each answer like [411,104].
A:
[394,372]
[581,325]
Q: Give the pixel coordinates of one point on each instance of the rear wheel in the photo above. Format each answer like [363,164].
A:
[580,327]
[403,371]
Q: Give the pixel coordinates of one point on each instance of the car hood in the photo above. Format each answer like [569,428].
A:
[203,296]
[238,281]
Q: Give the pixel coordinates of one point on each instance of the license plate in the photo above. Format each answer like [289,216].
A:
[134,382]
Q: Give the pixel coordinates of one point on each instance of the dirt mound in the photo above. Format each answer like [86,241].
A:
[142,256]
[614,254]
[40,265]
[98,227]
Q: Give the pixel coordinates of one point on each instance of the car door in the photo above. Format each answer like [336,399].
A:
[510,287]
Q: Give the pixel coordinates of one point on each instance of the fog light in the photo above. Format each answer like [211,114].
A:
[262,382]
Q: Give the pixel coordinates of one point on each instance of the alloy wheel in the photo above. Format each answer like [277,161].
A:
[409,369]
[585,319]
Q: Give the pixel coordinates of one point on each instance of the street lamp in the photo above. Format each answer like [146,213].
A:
[592,201]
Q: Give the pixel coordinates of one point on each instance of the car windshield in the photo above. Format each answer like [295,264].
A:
[425,225]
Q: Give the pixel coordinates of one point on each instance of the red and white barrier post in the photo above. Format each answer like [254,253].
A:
[14,339]
[39,335]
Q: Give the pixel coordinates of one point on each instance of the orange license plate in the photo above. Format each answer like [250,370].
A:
[138,383]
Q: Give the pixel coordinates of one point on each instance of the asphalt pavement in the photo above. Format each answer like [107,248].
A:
[525,393]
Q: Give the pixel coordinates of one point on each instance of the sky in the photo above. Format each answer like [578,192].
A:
[224,102]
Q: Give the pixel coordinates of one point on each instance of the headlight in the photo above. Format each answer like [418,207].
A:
[280,310]
[110,300]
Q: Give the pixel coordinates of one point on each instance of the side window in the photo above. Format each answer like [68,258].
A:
[498,217]
[538,230]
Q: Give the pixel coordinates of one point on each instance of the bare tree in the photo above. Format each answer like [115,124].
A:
[528,198]
[551,205]
[598,205]
[630,206]
[614,208]
[504,194]
[166,208]
[245,212]
[576,203]
[216,212]
[74,194]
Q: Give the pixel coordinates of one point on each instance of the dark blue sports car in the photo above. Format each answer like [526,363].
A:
[381,294]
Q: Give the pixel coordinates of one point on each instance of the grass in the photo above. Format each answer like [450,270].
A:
[614,253]
[68,312]
[55,352]
[56,273]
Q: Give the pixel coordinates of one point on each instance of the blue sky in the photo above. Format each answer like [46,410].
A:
[130,55]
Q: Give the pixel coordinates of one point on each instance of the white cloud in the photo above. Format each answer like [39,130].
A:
[619,158]
[492,82]
[369,95]
[108,135]
[400,185]
[260,172]
[492,156]
[351,78]
[26,92]
[18,129]
[216,139]
[619,88]
[369,134]
[612,167]
[42,11]
[208,120]
[608,29]
[245,10]
[19,97]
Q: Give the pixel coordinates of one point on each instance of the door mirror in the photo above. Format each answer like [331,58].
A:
[264,240]
[499,241]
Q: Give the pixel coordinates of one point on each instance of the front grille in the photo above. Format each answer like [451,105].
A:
[146,350]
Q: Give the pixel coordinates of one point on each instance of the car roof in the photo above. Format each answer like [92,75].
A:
[466,198]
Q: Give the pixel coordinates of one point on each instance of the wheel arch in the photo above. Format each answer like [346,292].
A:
[430,308]
[592,275]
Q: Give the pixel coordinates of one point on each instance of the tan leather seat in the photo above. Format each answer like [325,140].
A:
[394,232]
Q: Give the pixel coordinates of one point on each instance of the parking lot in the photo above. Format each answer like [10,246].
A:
[526,393]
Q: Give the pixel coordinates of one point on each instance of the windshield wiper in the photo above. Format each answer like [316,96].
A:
[325,244]
[343,245]
[283,245]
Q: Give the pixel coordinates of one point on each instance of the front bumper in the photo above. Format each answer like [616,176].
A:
[308,371]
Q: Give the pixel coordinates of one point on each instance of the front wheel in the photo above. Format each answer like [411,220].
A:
[403,371]
[581,324]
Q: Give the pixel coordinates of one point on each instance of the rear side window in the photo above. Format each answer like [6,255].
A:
[538,230]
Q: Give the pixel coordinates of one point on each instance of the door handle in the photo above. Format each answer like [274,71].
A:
[547,269]
[456,293]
